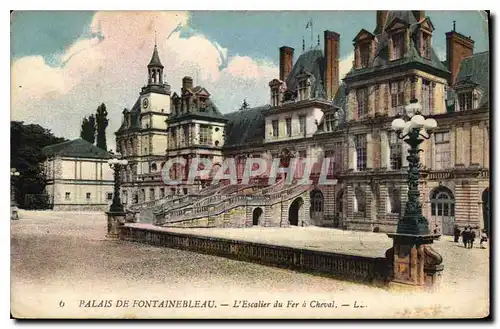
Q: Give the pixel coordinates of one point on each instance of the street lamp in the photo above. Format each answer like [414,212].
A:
[413,129]
[117,165]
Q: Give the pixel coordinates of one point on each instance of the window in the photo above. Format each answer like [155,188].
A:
[151,194]
[426,97]
[397,94]
[185,190]
[394,201]
[153,167]
[109,196]
[442,203]
[317,201]
[398,46]
[288,126]
[362,96]
[88,196]
[330,122]
[205,135]
[186,136]
[302,124]
[338,156]
[465,101]
[396,150]
[67,196]
[275,94]
[275,128]
[360,141]
[364,53]
[426,45]
[303,89]
[162,192]
[359,198]
[442,150]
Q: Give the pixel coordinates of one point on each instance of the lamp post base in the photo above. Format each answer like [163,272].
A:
[414,261]
[14,212]
[115,221]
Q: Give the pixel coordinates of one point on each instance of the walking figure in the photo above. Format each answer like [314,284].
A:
[484,238]
[472,237]
[466,235]
[456,233]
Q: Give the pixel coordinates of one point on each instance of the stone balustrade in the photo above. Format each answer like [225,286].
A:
[349,267]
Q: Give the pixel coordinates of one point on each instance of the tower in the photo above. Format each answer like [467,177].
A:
[155,69]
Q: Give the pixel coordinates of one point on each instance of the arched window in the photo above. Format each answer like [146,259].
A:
[394,201]
[317,201]
[153,167]
[442,202]
[359,200]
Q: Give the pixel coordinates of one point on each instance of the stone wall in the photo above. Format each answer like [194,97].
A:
[349,267]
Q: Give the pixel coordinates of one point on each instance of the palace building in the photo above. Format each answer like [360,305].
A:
[310,113]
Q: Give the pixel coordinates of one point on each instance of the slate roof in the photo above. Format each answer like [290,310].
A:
[210,112]
[155,59]
[135,113]
[78,148]
[474,72]
[312,62]
[381,61]
[245,126]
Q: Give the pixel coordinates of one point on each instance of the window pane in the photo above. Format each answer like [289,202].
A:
[433,209]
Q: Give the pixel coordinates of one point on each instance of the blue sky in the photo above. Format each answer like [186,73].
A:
[254,34]
[65,63]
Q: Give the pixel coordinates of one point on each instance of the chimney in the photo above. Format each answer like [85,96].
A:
[187,83]
[332,53]
[381,20]
[419,14]
[458,47]
[286,61]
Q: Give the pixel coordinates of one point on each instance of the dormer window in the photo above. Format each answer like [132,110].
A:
[330,121]
[364,53]
[303,90]
[465,100]
[398,45]
[275,94]
[426,45]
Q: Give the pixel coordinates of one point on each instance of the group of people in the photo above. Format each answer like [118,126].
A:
[469,236]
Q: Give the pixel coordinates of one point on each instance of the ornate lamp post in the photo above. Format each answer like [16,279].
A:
[413,131]
[116,214]
[414,262]
[14,174]
[117,165]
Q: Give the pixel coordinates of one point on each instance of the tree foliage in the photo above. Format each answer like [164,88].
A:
[102,123]
[27,142]
[244,105]
[88,129]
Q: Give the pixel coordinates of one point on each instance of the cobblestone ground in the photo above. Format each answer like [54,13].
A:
[62,260]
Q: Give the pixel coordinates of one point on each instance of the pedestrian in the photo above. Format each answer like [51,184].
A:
[466,237]
[456,233]
[472,238]
[484,238]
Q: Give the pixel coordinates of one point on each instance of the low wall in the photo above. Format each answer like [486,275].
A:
[343,266]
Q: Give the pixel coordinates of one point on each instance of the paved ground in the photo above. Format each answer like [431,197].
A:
[64,257]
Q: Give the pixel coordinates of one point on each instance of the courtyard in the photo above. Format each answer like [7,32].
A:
[61,262]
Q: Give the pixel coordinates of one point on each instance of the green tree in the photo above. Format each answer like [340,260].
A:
[27,142]
[102,123]
[88,129]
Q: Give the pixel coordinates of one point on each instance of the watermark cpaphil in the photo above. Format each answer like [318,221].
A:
[300,171]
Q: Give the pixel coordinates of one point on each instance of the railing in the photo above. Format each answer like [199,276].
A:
[350,267]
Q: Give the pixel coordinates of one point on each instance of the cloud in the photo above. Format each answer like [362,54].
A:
[109,65]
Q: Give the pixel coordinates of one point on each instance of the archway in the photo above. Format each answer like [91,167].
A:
[486,210]
[294,211]
[257,213]
[443,210]
[317,205]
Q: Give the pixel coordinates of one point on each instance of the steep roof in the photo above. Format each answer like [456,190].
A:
[245,126]
[155,59]
[474,71]
[134,114]
[312,62]
[78,148]
[381,59]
